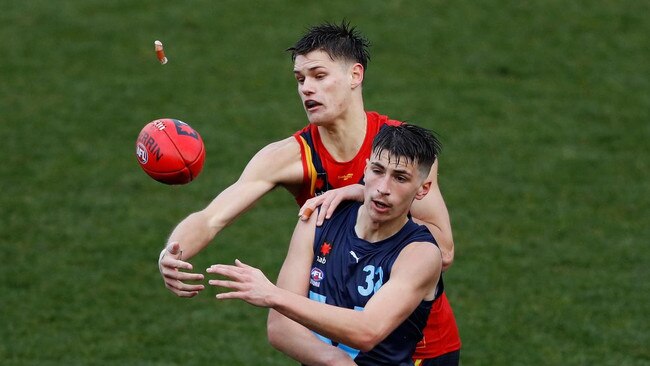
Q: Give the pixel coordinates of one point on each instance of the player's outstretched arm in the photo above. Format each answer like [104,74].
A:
[413,278]
[276,164]
[284,334]
[432,212]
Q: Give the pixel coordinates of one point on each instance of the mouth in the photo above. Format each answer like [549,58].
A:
[381,206]
[311,104]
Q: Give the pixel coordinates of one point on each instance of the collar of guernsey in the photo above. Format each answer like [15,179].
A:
[321,172]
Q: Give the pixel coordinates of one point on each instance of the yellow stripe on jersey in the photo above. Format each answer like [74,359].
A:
[311,169]
[418,362]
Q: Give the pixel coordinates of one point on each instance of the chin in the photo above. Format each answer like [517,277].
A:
[317,121]
[378,217]
[319,118]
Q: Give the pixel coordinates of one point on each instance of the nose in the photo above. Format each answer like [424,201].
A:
[306,87]
[383,186]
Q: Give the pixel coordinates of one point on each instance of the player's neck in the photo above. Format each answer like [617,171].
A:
[373,231]
[343,137]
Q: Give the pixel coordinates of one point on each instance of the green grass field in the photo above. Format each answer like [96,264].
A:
[542,107]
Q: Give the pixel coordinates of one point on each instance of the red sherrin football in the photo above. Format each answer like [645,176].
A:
[170,151]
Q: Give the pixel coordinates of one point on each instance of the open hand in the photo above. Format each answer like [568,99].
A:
[169,263]
[247,283]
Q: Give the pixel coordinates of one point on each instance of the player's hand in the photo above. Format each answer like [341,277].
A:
[169,263]
[328,202]
[247,283]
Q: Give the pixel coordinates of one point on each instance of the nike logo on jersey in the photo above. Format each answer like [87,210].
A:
[354,255]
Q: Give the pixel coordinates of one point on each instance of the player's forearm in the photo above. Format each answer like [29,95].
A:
[197,230]
[353,328]
[193,234]
[301,344]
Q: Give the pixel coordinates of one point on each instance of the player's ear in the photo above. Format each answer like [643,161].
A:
[356,75]
[366,169]
[423,190]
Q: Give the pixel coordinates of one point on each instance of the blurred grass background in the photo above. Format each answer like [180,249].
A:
[542,107]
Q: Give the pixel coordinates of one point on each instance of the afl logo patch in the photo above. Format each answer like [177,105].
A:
[142,154]
[317,275]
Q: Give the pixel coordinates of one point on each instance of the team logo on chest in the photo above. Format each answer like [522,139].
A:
[325,249]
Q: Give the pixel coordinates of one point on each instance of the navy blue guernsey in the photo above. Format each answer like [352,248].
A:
[347,271]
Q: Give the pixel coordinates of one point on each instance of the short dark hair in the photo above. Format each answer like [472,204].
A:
[339,41]
[410,142]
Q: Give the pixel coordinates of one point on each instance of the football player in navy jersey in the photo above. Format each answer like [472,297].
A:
[365,280]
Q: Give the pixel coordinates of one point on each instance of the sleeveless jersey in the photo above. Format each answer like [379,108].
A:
[347,271]
[322,172]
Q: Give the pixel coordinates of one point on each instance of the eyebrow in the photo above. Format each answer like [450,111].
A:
[397,170]
[311,69]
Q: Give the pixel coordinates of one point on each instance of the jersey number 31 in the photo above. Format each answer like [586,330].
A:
[374,280]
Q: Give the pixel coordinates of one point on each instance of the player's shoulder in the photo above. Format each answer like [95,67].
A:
[419,243]
[420,256]
[421,247]
[381,119]
[279,155]
[279,161]
[285,148]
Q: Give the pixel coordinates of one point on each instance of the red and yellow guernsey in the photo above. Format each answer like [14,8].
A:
[321,172]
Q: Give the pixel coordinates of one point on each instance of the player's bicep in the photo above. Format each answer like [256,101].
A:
[278,163]
[294,274]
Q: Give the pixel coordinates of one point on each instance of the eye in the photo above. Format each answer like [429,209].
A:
[320,76]
[401,179]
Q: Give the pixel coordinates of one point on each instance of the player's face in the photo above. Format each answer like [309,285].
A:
[324,86]
[391,186]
